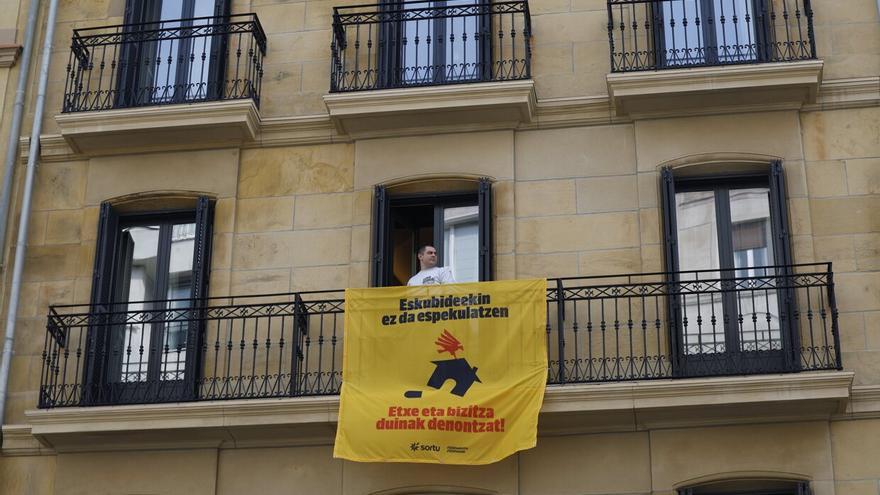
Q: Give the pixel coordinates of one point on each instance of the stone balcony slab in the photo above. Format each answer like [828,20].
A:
[712,90]
[216,124]
[580,408]
[433,109]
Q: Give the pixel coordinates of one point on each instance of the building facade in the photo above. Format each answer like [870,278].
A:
[698,180]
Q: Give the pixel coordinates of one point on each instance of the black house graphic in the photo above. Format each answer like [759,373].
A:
[454,369]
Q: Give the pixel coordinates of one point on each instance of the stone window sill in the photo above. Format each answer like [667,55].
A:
[170,127]
[710,90]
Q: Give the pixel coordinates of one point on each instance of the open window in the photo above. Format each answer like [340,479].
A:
[150,280]
[458,224]
[727,252]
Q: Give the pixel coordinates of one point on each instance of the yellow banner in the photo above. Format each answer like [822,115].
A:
[450,374]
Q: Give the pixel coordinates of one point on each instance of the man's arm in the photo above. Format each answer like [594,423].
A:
[446,276]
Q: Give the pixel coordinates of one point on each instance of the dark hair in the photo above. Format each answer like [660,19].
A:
[423,248]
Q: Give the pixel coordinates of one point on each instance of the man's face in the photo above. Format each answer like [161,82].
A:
[428,259]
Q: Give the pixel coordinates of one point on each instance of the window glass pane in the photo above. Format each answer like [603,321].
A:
[682,32]
[702,313]
[757,301]
[167,53]
[418,53]
[198,65]
[734,30]
[139,248]
[179,287]
[461,242]
[461,43]
[445,48]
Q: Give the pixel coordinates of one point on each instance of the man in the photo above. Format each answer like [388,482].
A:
[430,273]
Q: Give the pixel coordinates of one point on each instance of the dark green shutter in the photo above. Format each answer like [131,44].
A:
[484,202]
[381,211]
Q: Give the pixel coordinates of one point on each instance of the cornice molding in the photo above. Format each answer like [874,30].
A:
[9,55]
[864,403]
[847,93]
[19,441]
[566,409]
[549,114]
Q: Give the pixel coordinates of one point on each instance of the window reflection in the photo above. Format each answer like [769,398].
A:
[698,250]
[752,254]
[150,272]
[179,287]
[461,227]
[738,305]
[139,255]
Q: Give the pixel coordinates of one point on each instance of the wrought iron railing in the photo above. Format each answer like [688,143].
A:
[599,329]
[165,62]
[668,34]
[424,43]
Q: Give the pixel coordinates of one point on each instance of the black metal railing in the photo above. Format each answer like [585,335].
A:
[424,43]
[599,329]
[165,62]
[668,34]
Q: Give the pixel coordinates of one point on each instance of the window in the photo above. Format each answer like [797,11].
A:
[147,266]
[436,42]
[726,240]
[180,64]
[457,224]
[709,32]
[749,487]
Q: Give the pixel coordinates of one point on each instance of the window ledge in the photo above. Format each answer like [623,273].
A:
[708,90]
[433,109]
[572,408]
[167,127]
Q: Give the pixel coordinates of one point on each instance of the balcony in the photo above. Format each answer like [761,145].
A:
[387,62]
[695,56]
[641,327]
[164,84]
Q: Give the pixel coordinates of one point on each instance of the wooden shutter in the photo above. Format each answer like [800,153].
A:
[97,338]
[201,266]
[381,211]
[670,247]
[105,251]
[201,274]
[779,215]
[484,201]
[782,254]
[670,230]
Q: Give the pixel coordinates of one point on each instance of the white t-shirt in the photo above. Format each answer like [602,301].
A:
[433,276]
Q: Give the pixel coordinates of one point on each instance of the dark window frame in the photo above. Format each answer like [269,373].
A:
[382,243]
[796,487]
[100,366]
[734,360]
